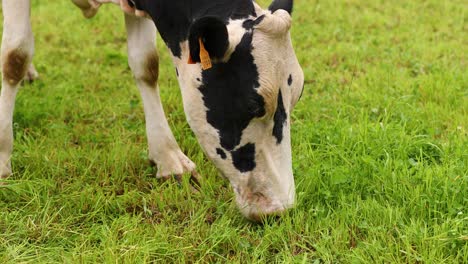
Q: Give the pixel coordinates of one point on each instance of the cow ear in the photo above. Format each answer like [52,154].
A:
[212,31]
[281,4]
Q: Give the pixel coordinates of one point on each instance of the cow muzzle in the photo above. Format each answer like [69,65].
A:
[256,206]
[258,201]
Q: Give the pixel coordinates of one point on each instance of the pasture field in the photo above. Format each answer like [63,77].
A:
[379,137]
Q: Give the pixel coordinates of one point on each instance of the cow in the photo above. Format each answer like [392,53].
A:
[238,75]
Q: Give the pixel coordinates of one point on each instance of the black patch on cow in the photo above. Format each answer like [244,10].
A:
[244,158]
[250,23]
[290,80]
[279,120]
[177,72]
[221,153]
[243,9]
[230,94]
[281,4]
[173,18]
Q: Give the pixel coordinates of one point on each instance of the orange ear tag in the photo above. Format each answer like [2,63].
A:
[190,60]
[204,56]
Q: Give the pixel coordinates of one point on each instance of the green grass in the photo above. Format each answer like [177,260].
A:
[379,147]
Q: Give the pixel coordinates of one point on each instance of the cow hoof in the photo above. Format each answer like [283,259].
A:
[173,163]
[31,74]
[175,166]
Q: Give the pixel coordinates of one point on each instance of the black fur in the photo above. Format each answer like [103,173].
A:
[244,158]
[281,4]
[279,119]
[221,153]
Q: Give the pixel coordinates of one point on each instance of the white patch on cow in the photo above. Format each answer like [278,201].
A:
[275,28]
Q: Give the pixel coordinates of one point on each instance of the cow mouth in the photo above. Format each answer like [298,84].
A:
[262,208]
[256,206]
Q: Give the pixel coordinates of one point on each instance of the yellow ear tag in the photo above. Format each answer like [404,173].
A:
[204,56]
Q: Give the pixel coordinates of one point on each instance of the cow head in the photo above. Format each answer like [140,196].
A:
[240,108]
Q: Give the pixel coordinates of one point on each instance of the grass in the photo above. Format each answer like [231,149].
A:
[379,147]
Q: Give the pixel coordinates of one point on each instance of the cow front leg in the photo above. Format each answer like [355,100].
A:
[16,55]
[144,63]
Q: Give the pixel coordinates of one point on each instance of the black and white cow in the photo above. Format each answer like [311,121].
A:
[238,105]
